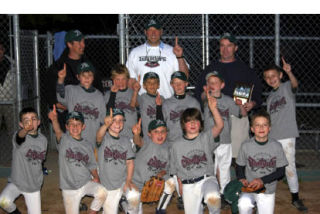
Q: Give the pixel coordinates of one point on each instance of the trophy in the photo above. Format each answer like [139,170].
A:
[243,92]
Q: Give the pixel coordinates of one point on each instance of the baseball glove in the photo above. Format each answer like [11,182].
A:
[253,190]
[152,190]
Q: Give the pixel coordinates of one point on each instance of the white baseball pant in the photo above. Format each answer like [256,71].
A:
[289,147]
[207,189]
[239,133]
[223,157]
[11,192]
[111,204]
[169,187]
[72,198]
[265,203]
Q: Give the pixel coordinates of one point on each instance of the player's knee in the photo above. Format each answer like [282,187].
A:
[133,198]
[5,203]
[169,186]
[244,205]
[101,194]
[213,200]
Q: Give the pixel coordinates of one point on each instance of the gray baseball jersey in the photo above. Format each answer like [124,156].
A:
[27,158]
[150,160]
[90,104]
[112,156]
[226,107]
[281,105]
[192,158]
[76,160]
[123,99]
[147,104]
[172,109]
[261,160]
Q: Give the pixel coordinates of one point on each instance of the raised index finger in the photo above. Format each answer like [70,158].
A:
[283,61]
[176,43]
[54,108]
[139,122]
[139,77]
[111,113]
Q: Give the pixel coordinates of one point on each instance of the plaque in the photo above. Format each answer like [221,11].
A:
[243,92]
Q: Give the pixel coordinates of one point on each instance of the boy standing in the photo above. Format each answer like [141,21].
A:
[175,105]
[77,165]
[120,96]
[150,103]
[29,151]
[116,162]
[83,98]
[191,160]
[260,162]
[281,105]
[226,107]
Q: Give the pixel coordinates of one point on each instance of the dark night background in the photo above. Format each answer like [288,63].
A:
[86,23]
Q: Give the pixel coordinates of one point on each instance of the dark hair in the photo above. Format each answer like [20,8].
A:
[27,110]
[273,67]
[260,113]
[188,115]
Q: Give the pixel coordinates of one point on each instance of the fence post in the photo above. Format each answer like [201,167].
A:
[206,40]
[277,39]
[49,48]
[36,69]
[121,38]
[16,32]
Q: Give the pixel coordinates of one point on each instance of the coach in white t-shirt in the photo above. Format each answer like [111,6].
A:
[158,57]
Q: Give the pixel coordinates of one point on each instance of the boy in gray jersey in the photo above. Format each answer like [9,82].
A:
[121,97]
[191,160]
[227,107]
[83,98]
[77,165]
[175,105]
[116,164]
[261,162]
[281,105]
[150,103]
[153,159]
[29,151]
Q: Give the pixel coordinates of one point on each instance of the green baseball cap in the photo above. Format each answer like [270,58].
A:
[150,75]
[75,115]
[180,75]
[155,124]
[115,112]
[85,67]
[215,74]
[232,193]
[230,37]
[153,23]
[73,35]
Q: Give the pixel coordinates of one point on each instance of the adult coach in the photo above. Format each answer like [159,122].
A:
[233,71]
[158,57]
[72,56]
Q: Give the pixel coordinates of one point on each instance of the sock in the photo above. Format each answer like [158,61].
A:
[295,196]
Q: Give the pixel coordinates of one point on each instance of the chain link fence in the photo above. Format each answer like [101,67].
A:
[198,35]
[257,40]
[7,89]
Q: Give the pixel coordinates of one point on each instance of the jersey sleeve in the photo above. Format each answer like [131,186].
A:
[234,108]
[241,159]
[92,164]
[63,100]
[172,162]
[102,110]
[130,154]
[281,158]
[289,89]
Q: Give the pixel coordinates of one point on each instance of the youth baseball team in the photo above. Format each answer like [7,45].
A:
[147,125]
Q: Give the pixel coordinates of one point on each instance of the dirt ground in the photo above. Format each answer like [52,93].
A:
[51,197]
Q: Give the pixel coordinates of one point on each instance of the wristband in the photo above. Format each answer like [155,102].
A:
[180,57]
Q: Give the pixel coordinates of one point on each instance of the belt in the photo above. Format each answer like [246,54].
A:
[193,180]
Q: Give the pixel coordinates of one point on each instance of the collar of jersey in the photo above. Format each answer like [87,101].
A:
[189,139]
[89,90]
[151,95]
[161,45]
[123,90]
[180,97]
[77,139]
[261,143]
[114,137]
[34,135]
